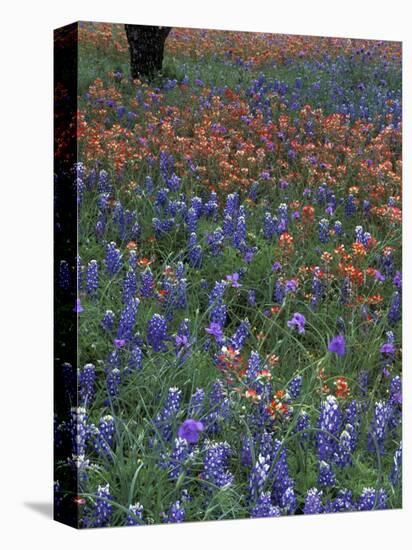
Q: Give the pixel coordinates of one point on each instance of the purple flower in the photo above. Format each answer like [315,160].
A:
[190,430]
[337,345]
[182,341]
[157,332]
[387,348]
[119,342]
[378,276]
[234,278]
[276,266]
[78,308]
[291,286]
[215,330]
[298,321]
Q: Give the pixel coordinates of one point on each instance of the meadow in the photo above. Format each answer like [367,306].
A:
[239,279]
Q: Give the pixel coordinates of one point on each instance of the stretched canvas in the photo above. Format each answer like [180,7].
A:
[228,279]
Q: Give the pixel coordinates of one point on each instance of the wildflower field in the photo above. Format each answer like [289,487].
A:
[239,279]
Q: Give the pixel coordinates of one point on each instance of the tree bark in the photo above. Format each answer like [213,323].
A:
[146,46]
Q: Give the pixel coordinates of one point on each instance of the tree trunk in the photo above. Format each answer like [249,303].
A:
[146,45]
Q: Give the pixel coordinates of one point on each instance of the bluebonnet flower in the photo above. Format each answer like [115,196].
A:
[216,295]
[232,204]
[157,333]
[147,283]
[253,367]
[113,380]
[87,378]
[211,207]
[395,314]
[195,251]
[302,427]
[337,345]
[182,339]
[100,226]
[279,292]
[190,430]
[92,277]
[103,185]
[218,315]
[249,254]
[113,359]
[288,502]
[379,426]
[282,480]
[329,427]
[165,418]
[313,502]
[135,514]
[363,381]
[342,503]
[196,402]
[215,241]
[135,359]
[129,286]
[180,270]
[269,226]
[132,260]
[191,220]
[372,500]
[246,451]
[79,430]
[176,513]
[350,206]
[103,436]
[347,443]
[396,472]
[215,469]
[181,294]
[258,476]
[317,289]
[119,220]
[162,197]
[324,230]
[228,226]
[240,335]
[177,458]
[251,297]
[127,319]
[338,228]
[397,280]
[108,320]
[239,236]
[112,261]
[395,390]
[295,386]
[135,232]
[264,507]
[100,513]
[298,322]
[326,477]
